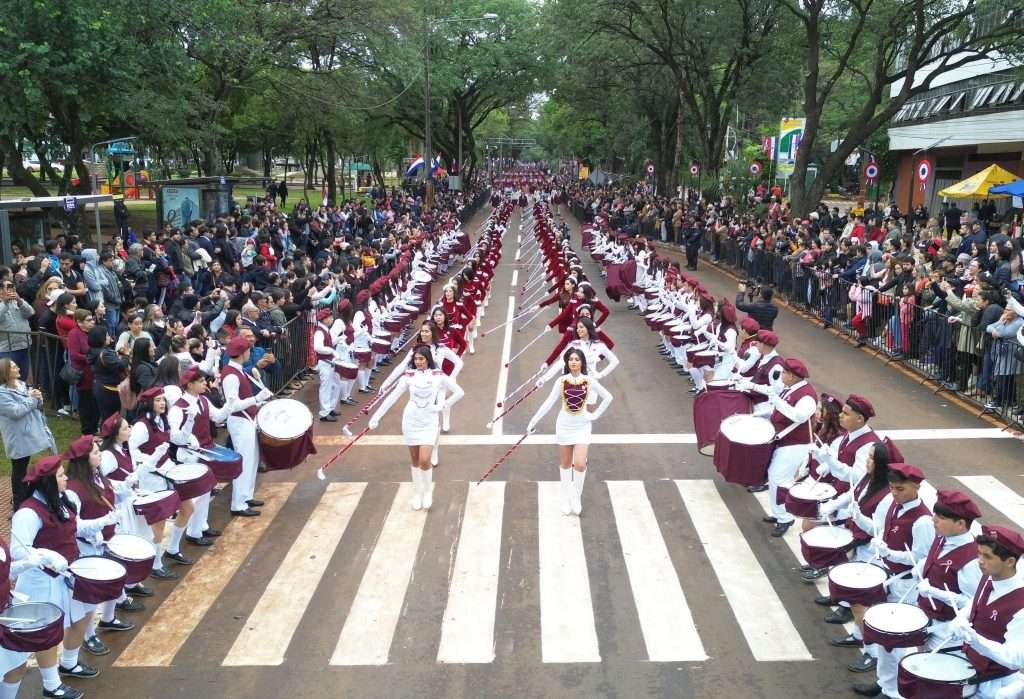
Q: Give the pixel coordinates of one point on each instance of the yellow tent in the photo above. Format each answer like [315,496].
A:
[977,185]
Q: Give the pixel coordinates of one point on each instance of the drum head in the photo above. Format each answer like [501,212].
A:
[748,429]
[827,537]
[893,617]
[186,472]
[284,418]
[858,574]
[96,568]
[31,616]
[811,489]
[130,547]
[145,498]
[942,667]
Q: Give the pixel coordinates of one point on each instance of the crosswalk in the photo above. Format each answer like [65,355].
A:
[679,544]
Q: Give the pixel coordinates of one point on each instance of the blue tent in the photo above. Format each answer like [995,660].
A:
[1014,189]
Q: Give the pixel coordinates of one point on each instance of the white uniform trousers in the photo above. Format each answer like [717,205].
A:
[328,391]
[243,439]
[889,660]
[782,470]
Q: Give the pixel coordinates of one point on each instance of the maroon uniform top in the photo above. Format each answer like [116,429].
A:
[942,571]
[54,535]
[328,342]
[124,463]
[990,620]
[91,508]
[5,575]
[244,389]
[780,422]
[201,422]
[157,436]
[899,531]
[868,505]
[760,376]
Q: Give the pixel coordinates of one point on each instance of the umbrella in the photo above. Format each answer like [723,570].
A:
[977,186]
[1013,189]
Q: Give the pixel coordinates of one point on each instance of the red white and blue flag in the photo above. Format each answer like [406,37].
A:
[415,166]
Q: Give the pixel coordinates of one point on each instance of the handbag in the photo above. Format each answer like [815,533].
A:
[70,375]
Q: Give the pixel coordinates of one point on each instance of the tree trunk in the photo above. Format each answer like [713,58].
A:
[332,157]
[268,161]
[20,176]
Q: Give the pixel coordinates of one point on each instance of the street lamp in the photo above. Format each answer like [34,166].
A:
[427,136]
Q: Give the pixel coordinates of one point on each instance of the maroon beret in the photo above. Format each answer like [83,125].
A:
[238,346]
[110,425]
[151,393]
[959,504]
[1005,537]
[79,448]
[323,313]
[767,337]
[750,325]
[908,471]
[46,466]
[797,367]
[190,375]
[862,405]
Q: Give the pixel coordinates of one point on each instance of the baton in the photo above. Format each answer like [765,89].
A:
[511,407]
[500,461]
[320,471]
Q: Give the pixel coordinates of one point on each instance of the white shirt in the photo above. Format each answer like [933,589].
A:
[923,531]
[1009,653]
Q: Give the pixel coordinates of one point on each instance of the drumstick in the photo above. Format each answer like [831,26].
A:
[528,345]
[320,471]
[511,407]
[62,573]
[485,333]
[500,461]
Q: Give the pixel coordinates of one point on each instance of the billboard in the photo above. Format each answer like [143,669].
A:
[791,130]
[179,205]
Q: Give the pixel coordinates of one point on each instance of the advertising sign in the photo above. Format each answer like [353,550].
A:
[180,205]
[791,130]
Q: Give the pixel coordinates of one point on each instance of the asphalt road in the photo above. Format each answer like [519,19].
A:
[668,585]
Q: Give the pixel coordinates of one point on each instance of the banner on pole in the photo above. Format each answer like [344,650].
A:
[791,130]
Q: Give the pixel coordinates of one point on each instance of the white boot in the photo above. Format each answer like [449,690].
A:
[417,489]
[565,474]
[446,419]
[427,478]
[434,455]
[577,490]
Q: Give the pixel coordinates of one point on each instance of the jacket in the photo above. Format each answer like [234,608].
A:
[14,325]
[23,425]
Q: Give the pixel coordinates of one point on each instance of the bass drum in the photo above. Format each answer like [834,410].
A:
[285,428]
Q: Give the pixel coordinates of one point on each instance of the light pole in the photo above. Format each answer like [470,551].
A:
[95,183]
[428,146]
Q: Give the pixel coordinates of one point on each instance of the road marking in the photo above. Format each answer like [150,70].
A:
[518,250]
[1001,497]
[506,354]
[665,619]
[568,633]
[166,631]
[478,440]
[761,616]
[366,637]
[270,627]
[515,278]
[792,539]
[467,630]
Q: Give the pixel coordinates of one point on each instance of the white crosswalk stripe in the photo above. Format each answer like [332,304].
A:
[553,577]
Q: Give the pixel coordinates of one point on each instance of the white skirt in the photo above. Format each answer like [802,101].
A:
[419,426]
[11,659]
[572,429]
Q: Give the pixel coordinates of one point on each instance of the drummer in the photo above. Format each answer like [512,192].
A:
[44,529]
[993,626]
[240,399]
[905,532]
[97,498]
[342,335]
[749,351]
[791,405]
[323,345]
[191,421]
[723,339]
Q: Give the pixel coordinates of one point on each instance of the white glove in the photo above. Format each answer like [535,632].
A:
[193,441]
[829,507]
[535,308]
[161,450]
[591,417]
[531,426]
[110,518]
[437,407]
[547,328]
[374,423]
[35,559]
[543,367]
[962,628]
[54,560]
[264,395]
[132,479]
[819,452]
[925,588]
[879,545]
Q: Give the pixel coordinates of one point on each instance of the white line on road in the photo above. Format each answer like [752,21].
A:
[479,440]
[515,278]
[567,630]
[370,626]
[467,629]
[518,250]
[665,619]
[998,495]
[761,616]
[506,354]
[273,621]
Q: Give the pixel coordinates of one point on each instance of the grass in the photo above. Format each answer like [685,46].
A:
[65,430]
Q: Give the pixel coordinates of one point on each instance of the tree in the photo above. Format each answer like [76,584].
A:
[867,58]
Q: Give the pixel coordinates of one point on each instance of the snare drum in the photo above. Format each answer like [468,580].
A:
[280,422]
[895,625]
[927,675]
[191,480]
[225,463]
[33,627]
[703,358]
[97,579]
[134,553]
[720,384]
[743,448]
[380,346]
[709,410]
[346,370]
[156,507]
[857,582]
[395,325]
[824,547]
[805,497]
[363,356]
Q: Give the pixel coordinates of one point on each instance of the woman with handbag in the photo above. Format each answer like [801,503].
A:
[22,425]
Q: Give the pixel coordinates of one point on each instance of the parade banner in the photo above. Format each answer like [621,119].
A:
[791,130]
[179,205]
